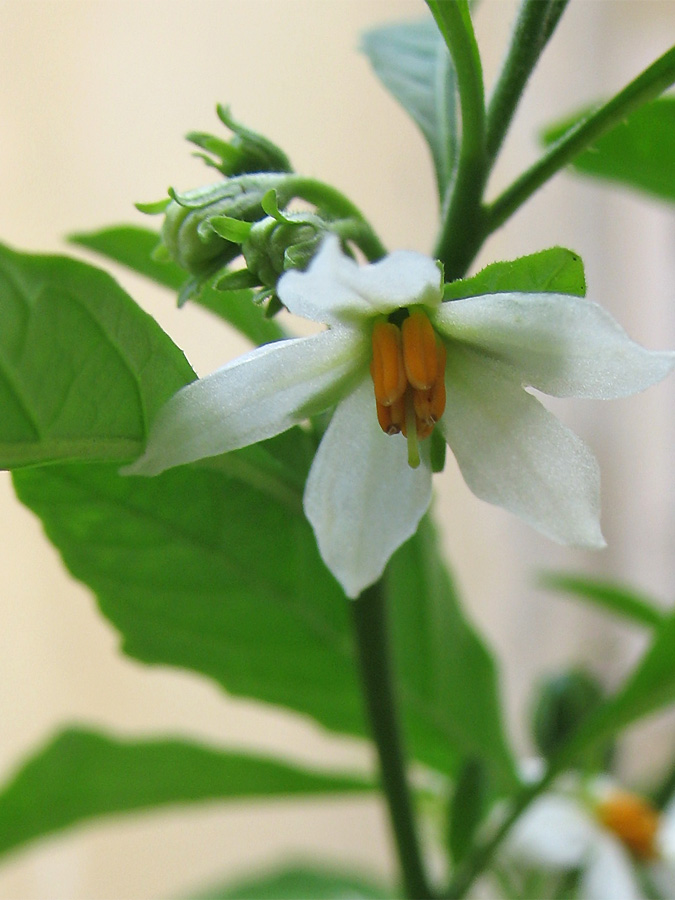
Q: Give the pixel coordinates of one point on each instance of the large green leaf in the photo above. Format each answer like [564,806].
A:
[133,246]
[555,270]
[413,63]
[216,570]
[81,775]
[639,152]
[301,882]
[448,680]
[82,368]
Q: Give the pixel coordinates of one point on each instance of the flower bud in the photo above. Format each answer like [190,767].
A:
[245,152]
[274,246]
[564,701]
[186,233]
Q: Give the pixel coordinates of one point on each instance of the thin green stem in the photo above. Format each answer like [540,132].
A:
[648,85]
[326,197]
[370,627]
[534,26]
[462,227]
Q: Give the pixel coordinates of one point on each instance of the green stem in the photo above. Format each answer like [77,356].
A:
[370,627]
[462,229]
[536,23]
[648,85]
[324,196]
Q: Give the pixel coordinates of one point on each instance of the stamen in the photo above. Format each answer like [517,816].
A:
[387,368]
[419,350]
[430,405]
[633,820]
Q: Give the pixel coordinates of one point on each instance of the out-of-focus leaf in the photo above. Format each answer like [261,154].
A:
[413,63]
[82,368]
[639,152]
[615,598]
[300,882]
[133,246]
[556,270]
[81,775]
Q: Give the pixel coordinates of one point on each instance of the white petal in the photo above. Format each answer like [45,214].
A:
[565,346]
[335,289]
[254,397]
[666,835]
[609,873]
[362,498]
[555,833]
[515,454]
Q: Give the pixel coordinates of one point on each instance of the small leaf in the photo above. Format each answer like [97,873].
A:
[133,247]
[639,152]
[300,883]
[620,600]
[82,368]
[81,775]
[649,688]
[413,63]
[556,270]
[468,806]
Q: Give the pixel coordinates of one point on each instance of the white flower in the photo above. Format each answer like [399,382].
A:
[364,496]
[603,830]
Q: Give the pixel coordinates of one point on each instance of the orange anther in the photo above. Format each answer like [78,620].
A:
[387,367]
[430,405]
[633,820]
[386,419]
[419,350]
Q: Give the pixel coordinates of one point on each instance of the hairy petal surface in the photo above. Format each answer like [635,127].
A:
[562,345]
[335,289]
[255,397]
[362,498]
[515,454]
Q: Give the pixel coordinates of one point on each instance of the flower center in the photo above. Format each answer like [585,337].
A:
[408,369]
[633,820]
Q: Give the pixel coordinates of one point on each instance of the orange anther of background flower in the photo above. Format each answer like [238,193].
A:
[634,820]
[419,350]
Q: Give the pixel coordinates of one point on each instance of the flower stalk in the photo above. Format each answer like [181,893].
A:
[370,629]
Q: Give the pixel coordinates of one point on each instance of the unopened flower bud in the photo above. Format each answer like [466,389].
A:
[274,246]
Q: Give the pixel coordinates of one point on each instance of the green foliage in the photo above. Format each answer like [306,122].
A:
[133,247]
[638,152]
[413,63]
[449,680]
[467,809]
[301,882]
[81,775]
[83,369]
[617,599]
[555,270]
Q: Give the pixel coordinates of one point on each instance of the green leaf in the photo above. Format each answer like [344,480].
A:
[413,63]
[265,619]
[649,688]
[82,775]
[556,270]
[133,247]
[449,683]
[468,806]
[300,882]
[618,599]
[639,152]
[82,368]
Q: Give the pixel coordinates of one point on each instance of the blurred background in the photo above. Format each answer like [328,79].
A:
[95,96]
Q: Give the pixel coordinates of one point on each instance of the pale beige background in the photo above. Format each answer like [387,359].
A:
[95,96]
